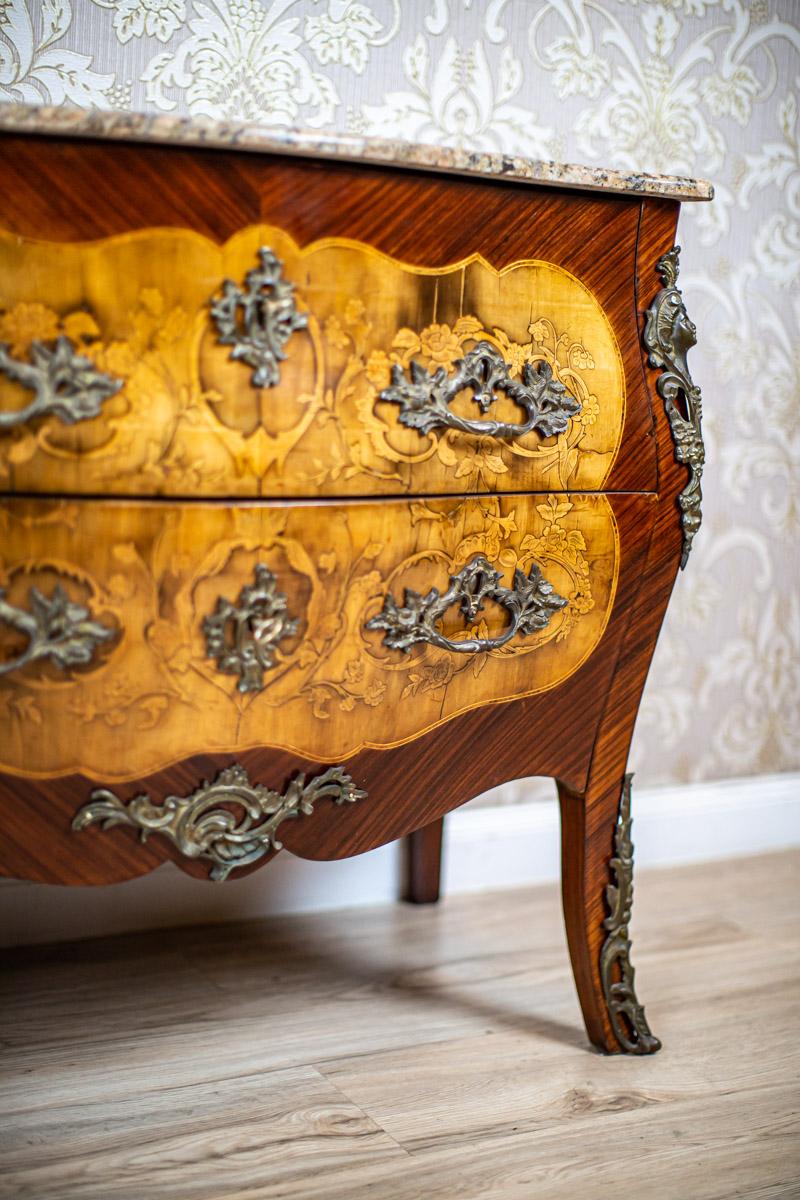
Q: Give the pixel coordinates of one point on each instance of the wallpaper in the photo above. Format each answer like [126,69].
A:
[704,87]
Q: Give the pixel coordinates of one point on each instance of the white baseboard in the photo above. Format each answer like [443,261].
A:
[671,826]
[485,848]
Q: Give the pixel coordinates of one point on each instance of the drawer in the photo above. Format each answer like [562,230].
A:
[158,362]
[135,635]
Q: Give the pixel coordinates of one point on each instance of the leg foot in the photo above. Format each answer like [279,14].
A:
[424,864]
[597,882]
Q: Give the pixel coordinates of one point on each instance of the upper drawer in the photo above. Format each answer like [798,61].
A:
[315,349]
[258,368]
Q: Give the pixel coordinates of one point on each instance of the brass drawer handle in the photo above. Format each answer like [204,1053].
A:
[258,319]
[202,826]
[56,628]
[424,399]
[242,637]
[530,603]
[65,384]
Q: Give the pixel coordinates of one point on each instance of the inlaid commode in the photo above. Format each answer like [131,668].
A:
[333,494]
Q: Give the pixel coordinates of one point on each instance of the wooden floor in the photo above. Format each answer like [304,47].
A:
[412,1054]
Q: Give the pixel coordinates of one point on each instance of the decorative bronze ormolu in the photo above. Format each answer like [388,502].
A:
[425,398]
[202,826]
[616,973]
[57,629]
[669,335]
[531,603]
[257,622]
[65,384]
[259,319]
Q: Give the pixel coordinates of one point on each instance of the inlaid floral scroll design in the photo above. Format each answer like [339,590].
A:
[152,399]
[420,373]
[58,629]
[529,603]
[166,430]
[65,384]
[83,618]
[495,536]
[679,86]
[332,669]
[333,686]
[327,388]
[424,397]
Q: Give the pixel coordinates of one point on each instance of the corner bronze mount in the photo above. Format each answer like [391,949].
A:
[616,972]
[57,628]
[669,335]
[258,621]
[65,384]
[425,398]
[258,319]
[201,826]
[531,602]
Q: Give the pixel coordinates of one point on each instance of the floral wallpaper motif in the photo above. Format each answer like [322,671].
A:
[705,87]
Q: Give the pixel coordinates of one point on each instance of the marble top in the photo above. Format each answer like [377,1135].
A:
[346,147]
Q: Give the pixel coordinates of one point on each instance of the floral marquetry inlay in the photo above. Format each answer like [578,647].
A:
[331,685]
[57,630]
[186,419]
[681,85]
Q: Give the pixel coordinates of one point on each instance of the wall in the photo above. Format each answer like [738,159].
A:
[706,87]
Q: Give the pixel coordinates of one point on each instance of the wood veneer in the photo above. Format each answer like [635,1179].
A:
[189,420]
[109,190]
[579,732]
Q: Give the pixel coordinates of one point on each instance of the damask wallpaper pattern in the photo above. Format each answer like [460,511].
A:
[704,87]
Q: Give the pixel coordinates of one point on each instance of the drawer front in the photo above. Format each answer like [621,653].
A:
[135,635]
[129,366]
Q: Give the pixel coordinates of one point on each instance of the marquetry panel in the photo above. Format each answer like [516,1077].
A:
[143,578]
[188,420]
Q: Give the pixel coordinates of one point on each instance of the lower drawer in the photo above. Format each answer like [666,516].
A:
[133,636]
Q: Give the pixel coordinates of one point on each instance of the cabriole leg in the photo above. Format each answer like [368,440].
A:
[597,888]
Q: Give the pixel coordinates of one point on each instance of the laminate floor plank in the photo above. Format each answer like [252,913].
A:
[404,1053]
[733,1146]
[188,1140]
[453,1092]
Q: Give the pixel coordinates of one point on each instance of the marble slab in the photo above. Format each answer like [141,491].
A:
[236,135]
